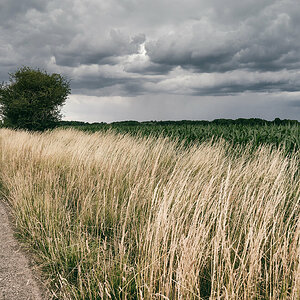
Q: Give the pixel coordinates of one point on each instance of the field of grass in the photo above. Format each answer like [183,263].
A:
[285,134]
[119,216]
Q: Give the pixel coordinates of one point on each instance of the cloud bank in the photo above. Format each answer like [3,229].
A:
[195,48]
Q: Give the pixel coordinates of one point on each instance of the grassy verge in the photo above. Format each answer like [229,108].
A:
[112,216]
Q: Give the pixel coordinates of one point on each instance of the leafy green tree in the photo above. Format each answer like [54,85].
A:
[32,99]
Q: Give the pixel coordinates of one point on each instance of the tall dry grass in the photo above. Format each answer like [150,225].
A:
[115,217]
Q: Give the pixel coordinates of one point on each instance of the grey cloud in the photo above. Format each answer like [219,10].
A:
[149,69]
[267,85]
[109,87]
[102,51]
[96,82]
[231,12]
[294,103]
[232,89]
[11,10]
[182,39]
[141,64]
[120,88]
[105,83]
[182,82]
[266,41]
[197,45]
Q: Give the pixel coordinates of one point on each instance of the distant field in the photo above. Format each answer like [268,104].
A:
[283,133]
[113,216]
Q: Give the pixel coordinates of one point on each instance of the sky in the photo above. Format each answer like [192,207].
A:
[161,59]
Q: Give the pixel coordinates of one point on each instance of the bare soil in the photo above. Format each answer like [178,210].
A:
[17,279]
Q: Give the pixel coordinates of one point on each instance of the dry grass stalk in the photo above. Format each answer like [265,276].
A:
[115,217]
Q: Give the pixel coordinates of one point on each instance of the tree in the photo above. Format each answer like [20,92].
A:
[32,99]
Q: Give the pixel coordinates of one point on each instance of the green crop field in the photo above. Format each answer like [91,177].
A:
[255,132]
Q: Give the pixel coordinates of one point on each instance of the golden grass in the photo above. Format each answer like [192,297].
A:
[115,217]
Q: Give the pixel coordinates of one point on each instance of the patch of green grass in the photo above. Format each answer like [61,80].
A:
[285,135]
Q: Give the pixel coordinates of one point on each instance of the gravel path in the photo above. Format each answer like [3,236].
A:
[16,279]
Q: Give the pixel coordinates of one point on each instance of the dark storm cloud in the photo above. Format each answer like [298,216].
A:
[148,68]
[129,48]
[231,89]
[110,86]
[102,51]
[239,82]
[267,40]
[108,80]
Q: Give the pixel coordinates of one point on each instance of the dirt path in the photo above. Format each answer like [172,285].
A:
[16,279]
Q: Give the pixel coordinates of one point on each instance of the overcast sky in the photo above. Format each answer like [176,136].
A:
[161,59]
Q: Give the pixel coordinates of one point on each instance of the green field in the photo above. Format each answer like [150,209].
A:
[255,132]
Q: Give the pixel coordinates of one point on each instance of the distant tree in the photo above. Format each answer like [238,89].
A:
[32,99]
